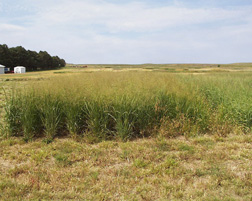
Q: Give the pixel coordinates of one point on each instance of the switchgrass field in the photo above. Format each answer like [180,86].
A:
[128,105]
[143,134]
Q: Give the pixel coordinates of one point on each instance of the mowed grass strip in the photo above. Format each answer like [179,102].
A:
[198,168]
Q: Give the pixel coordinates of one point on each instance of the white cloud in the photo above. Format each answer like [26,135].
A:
[137,17]
[10,28]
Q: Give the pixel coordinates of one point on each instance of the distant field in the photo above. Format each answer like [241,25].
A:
[125,132]
[169,68]
[172,67]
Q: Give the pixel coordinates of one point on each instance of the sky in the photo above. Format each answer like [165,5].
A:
[131,32]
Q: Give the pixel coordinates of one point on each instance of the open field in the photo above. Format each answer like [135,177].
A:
[123,132]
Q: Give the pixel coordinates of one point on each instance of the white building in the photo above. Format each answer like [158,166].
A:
[2,69]
[19,69]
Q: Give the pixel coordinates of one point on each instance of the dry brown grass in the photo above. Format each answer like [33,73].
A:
[195,168]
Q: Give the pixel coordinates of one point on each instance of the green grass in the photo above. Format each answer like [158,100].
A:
[125,106]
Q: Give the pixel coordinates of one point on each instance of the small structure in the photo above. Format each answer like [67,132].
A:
[2,69]
[19,69]
[6,70]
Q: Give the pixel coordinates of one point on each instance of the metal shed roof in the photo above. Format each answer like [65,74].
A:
[19,67]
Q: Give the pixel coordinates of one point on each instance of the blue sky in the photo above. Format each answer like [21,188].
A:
[128,31]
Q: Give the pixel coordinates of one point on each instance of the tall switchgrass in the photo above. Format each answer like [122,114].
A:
[130,105]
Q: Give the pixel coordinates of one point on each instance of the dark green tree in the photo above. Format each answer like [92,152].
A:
[5,56]
[19,56]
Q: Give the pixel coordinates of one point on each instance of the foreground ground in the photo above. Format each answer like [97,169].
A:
[199,168]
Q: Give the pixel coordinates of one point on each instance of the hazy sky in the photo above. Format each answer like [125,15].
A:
[127,31]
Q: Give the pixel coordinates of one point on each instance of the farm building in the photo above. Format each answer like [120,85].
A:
[19,69]
[2,69]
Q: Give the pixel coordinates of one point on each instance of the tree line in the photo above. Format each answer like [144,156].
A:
[32,60]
